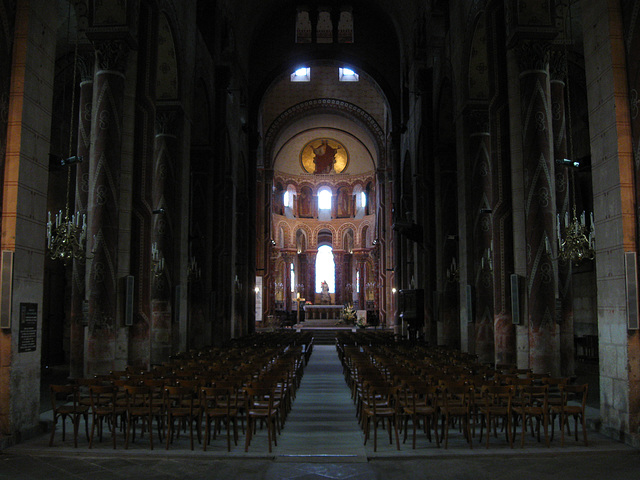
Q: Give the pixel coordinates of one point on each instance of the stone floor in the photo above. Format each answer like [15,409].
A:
[321,440]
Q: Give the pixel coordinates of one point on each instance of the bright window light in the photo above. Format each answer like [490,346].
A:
[347,75]
[324,199]
[293,278]
[302,74]
[325,269]
[363,199]
[288,199]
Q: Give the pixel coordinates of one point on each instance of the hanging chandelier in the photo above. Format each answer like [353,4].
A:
[579,241]
[66,235]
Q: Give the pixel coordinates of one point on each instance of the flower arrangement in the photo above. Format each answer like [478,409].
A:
[361,322]
[348,315]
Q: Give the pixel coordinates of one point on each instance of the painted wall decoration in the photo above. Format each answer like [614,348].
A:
[324,156]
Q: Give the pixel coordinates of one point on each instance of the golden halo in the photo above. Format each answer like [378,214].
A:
[314,157]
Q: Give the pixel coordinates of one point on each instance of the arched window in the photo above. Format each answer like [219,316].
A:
[325,269]
[288,199]
[324,199]
[293,278]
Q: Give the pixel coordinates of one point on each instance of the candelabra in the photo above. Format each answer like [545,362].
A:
[66,236]
[157,261]
[452,271]
[579,242]
[193,269]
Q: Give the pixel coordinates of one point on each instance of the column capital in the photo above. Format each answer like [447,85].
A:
[479,120]
[86,61]
[558,64]
[166,120]
[533,55]
[112,55]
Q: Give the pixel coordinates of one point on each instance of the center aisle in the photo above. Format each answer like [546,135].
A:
[322,422]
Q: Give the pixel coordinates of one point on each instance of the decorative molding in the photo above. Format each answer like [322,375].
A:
[328,105]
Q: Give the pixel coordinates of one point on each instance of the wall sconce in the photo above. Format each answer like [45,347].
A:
[394,290]
[487,259]
[157,261]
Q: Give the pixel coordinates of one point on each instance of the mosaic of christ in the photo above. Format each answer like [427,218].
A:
[324,156]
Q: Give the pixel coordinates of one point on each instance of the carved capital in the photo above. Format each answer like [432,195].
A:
[478,121]
[86,62]
[533,55]
[558,64]
[166,122]
[112,55]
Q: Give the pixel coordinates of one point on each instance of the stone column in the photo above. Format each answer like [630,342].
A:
[361,262]
[287,283]
[537,147]
[338,258]
[558,71]
[78,288]
[162,193]
[104,205]
[310,286]
[504,330]
[482,201]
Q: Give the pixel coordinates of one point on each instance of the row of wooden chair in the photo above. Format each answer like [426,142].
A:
[402,385]
[259,390]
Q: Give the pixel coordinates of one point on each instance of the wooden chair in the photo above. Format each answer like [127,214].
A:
[104,407]
[259,406]
[179,405]
[381,404]
[139,405]
[496,404]
[555,397]
[534,404]
[577,394]
[424,403]
[219,405]
[65,403]
[457,402]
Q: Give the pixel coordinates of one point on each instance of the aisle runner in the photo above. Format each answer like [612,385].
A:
[323,420]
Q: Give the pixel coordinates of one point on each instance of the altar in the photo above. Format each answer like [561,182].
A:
[322,312]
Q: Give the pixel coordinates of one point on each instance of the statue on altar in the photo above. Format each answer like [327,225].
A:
[325,297]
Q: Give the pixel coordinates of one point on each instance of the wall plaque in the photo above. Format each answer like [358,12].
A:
[28,333]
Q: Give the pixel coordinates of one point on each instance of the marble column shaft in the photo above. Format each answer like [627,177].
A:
[161,236]
[310,286]
[480,149]
[563,192]
[104,206]
[338,258]
[539,187]
[78,288]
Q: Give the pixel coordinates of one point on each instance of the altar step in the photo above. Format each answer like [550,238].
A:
[324,336]
[321,323]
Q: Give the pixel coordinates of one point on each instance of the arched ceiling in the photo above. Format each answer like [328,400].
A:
[350,115]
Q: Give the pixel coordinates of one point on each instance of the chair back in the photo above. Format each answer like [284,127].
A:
[63,394]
